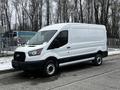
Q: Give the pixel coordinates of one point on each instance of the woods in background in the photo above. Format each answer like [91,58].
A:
[34,14]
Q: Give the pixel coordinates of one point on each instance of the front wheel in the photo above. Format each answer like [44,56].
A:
[98,60]
[50,68]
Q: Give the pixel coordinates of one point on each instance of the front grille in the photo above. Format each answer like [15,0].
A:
[19,56]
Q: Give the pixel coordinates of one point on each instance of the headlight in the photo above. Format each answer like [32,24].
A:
[35,52]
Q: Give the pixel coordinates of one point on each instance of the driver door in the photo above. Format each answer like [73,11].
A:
[59,44]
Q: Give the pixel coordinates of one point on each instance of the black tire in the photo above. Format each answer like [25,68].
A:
[98,60]
[50,68]
[27,71]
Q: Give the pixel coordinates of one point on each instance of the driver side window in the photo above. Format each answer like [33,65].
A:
[60,40]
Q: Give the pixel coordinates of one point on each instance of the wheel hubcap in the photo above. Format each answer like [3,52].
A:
[99,60]
[50,69]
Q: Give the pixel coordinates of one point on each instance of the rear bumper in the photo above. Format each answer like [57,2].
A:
[28,65]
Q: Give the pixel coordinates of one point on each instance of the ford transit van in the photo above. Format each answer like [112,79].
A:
[62,44]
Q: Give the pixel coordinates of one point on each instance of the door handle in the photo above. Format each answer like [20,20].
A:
[68,47]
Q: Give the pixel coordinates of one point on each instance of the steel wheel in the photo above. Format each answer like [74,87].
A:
[50,68]
[98,60]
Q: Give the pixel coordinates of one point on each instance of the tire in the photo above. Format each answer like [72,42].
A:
[98,60]
[27,71]
[50,68]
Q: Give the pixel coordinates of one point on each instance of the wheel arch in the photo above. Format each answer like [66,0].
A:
[52,58]
[100,52]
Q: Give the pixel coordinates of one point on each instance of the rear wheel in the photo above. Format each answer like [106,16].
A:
[98,60]
[50,68]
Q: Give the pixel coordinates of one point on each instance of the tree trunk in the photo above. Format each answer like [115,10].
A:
[48,12]
[81,12]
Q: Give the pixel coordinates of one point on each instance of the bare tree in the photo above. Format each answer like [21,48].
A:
[40,13]
[115,16]
[7,14]
[20,13]
[2,15]
[65,16]
[59,11]
[48,12]
[76,11]
[96,13]
[32,13]
[81,11]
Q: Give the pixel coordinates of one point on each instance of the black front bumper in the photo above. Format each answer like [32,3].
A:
[28,65]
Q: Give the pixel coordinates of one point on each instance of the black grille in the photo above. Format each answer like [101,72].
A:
[19,56]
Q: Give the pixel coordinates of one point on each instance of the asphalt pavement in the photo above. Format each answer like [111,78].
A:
[82,76]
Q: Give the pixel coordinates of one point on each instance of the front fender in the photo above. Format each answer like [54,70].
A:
[45,56]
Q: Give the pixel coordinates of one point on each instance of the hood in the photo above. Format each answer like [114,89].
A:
[28,48]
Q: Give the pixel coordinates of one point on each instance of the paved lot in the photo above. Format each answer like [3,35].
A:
[75,77]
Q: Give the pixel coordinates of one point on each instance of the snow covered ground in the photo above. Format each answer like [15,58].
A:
[112,51]
[7,53]
[5,62]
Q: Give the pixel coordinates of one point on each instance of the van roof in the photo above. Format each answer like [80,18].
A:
[66,26]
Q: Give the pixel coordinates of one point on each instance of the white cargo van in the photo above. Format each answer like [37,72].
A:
[62,44]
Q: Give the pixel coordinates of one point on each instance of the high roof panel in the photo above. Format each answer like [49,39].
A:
[68,25]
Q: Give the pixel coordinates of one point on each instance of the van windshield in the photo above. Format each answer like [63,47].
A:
[41,37]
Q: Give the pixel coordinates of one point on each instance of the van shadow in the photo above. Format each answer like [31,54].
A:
[35,78]
[22,77]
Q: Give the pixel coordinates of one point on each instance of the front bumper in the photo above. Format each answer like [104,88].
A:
[28,65]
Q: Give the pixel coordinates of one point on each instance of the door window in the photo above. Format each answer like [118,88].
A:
[60,40]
